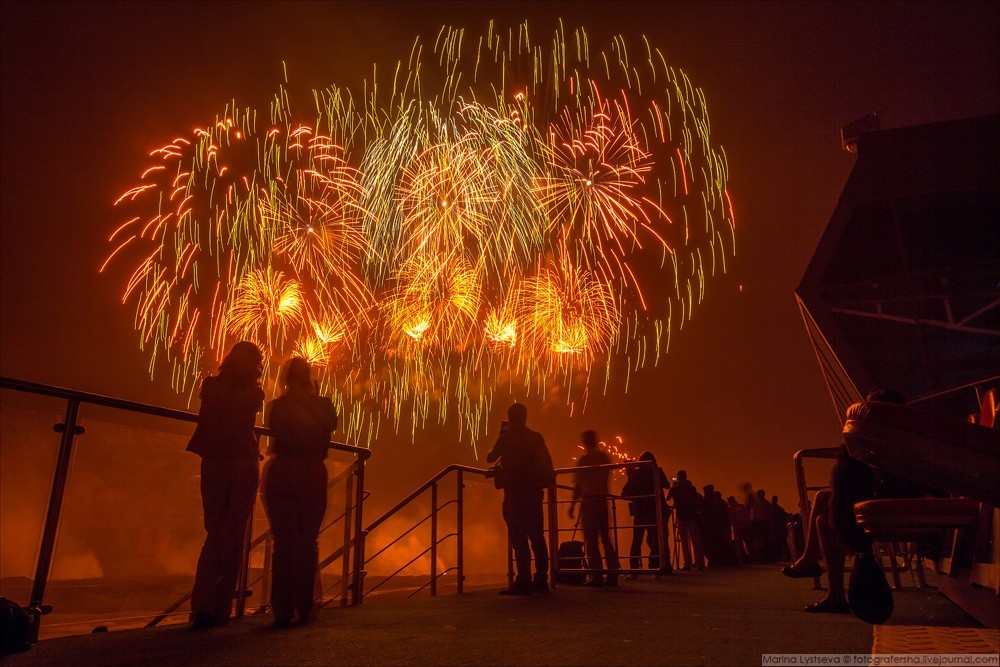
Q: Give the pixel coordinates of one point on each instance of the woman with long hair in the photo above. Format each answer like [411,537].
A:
[293,487]
[230,460]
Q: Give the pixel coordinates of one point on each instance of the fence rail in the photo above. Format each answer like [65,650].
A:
[70,428]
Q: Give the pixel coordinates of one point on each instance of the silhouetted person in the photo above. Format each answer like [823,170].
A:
[293,486]
[781,518]
[714,524]
[687,505]
[642,483]
[833,527]
[762,525]
[739,519]
[527,472]
[591,490]
[230,460]
[722,507]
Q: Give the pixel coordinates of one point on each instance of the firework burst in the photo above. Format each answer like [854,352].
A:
[499,209]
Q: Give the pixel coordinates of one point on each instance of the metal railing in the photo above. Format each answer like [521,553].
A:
[70,427]
[435,540]
[661,525]
[553,531]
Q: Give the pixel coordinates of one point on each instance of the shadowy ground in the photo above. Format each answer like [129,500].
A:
[722,617]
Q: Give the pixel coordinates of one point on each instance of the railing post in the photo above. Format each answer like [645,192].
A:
[359,535]
[661,528]
[459,521]
[241,583]
[553,535]
[265,580]
[614,525]
[345,579]
[69,431]
[434,537]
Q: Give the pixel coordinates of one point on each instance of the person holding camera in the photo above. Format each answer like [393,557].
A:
[525,470]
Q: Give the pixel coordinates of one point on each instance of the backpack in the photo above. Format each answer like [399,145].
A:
[15,628]
[571,557]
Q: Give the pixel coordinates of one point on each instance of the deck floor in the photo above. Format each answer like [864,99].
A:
[721,617]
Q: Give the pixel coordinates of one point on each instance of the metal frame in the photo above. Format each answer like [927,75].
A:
[69,429]
[553,529]
[432,485]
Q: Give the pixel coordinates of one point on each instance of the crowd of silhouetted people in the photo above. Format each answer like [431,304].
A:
[708,530]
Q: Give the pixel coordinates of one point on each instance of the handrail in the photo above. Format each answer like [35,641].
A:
[408,531]
[420,489]
[431,484]
[142,408]
[69,429]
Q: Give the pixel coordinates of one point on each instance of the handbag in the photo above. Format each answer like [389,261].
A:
[868,593]
[496,472]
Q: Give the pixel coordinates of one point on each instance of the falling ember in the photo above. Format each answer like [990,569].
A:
[616,450]
[423,245]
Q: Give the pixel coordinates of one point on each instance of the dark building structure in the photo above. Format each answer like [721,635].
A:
[903,293]
[904,288]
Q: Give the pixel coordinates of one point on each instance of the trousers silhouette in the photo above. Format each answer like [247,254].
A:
[228,490]
[522,511]
[594,519]
[644,526]
[294,495]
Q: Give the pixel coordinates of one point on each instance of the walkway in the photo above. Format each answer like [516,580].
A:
[724,617]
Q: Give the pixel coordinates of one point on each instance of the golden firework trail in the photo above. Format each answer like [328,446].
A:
[493,212]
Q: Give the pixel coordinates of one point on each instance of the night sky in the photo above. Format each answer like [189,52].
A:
[90,88]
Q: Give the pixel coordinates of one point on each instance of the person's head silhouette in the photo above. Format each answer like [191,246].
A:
[245,362]
[682,475]
[298,376]
[518,414]
[589,439]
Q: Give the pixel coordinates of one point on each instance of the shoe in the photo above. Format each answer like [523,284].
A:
[203,620]
[518,589]
[595,582]
[802,571]
[612,581]
[829,607]
[281,623]
[540,586]
[686,568]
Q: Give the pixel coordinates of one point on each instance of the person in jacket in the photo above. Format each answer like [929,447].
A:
[293,486]
[687,506]
[641,490]
[230,460]
[591,490]
[526,471]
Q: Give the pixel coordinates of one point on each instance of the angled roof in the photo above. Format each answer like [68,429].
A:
[903,290]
